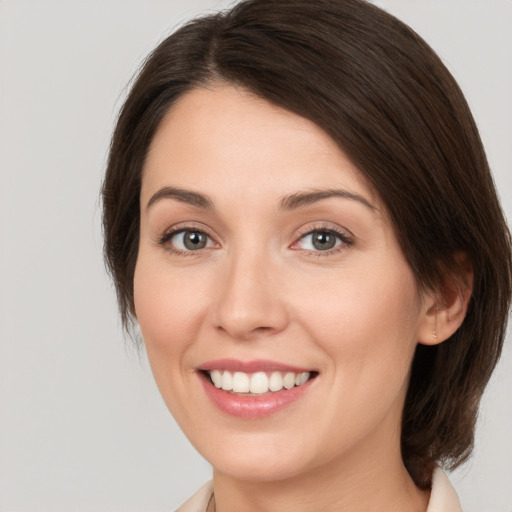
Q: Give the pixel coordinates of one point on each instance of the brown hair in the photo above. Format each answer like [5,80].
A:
[385,97]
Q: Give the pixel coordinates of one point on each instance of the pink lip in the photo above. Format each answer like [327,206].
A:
[251,407]
[260,365]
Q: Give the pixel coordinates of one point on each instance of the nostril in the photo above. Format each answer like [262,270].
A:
[263,329]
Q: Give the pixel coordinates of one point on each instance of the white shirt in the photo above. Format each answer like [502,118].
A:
[443,497]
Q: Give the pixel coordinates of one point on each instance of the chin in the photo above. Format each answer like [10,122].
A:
[258,471]
[257,459]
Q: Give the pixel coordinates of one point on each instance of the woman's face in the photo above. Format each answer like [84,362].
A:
[266,260]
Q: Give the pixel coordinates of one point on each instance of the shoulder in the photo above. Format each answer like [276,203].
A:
[443,497]
[199,501]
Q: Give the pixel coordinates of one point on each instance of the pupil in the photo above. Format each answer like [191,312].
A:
[194,240]
[323,240]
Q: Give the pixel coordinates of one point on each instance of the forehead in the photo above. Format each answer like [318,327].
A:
[230,135]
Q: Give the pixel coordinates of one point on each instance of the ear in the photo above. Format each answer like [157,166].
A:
[446,307]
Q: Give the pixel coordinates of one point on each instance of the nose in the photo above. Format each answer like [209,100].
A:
[250,300]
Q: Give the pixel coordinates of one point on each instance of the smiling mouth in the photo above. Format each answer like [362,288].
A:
[257,383]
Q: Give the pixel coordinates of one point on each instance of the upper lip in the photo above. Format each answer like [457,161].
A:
[257,365]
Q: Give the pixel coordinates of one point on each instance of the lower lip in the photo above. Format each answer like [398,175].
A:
[252,407]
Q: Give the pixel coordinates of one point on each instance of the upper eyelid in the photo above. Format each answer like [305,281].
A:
[344,235]
[344,239]
[188,226]
[164,241]
[324,226]
[163,238]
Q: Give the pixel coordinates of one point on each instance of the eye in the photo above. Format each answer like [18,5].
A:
[186,240]
[323,240]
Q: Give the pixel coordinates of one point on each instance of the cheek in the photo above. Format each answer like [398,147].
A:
[366,323]
[362,304]
[169,309]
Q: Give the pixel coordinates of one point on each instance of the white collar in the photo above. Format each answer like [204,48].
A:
[443,497]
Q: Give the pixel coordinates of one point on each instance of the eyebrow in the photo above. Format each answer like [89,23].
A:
[287,203]
[307,198]
[182,195]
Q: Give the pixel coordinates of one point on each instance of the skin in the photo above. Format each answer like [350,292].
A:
[261,290]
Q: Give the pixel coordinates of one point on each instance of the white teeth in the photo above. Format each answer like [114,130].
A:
[257,383]
[289,380]
[303,378]
[240,382]
[227,381]
[275,382]
[216,378]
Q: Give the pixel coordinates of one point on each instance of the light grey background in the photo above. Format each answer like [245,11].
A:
[82,426]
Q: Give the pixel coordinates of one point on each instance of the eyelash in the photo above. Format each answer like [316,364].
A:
[346,240]
[169,235]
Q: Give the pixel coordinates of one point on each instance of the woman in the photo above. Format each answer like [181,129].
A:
[299,215]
